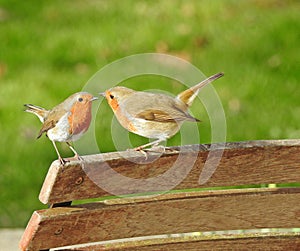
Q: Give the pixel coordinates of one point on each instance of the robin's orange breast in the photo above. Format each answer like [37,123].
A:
[125,121]
[79,118]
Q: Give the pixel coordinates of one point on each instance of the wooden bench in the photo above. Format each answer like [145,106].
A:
[216,215]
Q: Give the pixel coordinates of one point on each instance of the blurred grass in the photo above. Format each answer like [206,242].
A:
[50,49]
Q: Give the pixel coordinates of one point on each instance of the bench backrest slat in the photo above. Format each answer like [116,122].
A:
[166,214]
[244,163]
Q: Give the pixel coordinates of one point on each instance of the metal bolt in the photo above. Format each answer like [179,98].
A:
[79,180]
[58,231]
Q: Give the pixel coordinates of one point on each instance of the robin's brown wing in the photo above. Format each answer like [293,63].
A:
[46,126]
[51,120]
[172,115]
[161,116]
[157,107]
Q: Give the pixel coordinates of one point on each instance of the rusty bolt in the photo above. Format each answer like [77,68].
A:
[58,231]
[79,180]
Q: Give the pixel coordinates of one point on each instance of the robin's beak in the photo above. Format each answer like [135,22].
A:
[94,98]
[102,94]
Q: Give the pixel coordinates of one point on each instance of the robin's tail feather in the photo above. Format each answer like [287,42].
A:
[190,94]
[40,112]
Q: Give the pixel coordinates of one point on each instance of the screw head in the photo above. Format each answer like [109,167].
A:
[58,231]
[79,180]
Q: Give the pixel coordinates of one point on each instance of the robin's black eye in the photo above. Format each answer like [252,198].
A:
[111,96]
[80,99]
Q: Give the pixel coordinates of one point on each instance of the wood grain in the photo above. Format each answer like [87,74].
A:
[242,163]
[258,241]
[165,214]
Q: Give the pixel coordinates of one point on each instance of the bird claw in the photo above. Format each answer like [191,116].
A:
[139,148]
[142,151]
[203,147]
[155,149]
[158,149]
[63,161]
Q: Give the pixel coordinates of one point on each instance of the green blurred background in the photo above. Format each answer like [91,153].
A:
[50,49]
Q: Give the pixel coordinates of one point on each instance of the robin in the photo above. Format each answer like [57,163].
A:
[67,121]
[152,115]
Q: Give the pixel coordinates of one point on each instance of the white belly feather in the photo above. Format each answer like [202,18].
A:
[60,132]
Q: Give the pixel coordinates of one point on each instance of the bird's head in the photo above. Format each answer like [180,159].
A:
[116,95]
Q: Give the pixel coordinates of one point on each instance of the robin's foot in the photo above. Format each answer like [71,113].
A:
[141,150]
[162,149]
[144,153]
[63,161]
[203,147]
[172,149]
[157,148]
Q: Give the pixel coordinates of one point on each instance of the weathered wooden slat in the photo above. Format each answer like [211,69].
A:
[165,214]
[246,241]
[244,163]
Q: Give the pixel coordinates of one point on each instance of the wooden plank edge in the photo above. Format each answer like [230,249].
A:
[30,232]
[156,241]
[173,150]
[49,182]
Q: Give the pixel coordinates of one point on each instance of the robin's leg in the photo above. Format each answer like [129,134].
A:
[73,150]
[62,161]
